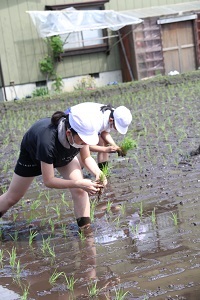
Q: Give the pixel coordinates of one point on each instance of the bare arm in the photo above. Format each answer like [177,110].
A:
[51,181]
[108,140]
[90,163]
[106,136]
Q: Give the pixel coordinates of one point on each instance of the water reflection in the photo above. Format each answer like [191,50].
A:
[111,255]
[74,257]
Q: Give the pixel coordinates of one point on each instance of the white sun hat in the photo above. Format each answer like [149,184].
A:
[84,123]
[122,118]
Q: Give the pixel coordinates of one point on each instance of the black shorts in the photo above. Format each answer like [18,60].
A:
[25,167]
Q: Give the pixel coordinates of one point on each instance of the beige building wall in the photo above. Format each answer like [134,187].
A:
[21,48]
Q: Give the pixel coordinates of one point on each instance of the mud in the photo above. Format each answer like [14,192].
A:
[145,234]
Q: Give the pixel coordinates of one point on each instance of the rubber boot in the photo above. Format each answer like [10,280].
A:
[84,225]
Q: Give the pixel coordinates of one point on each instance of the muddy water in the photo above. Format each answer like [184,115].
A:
[146,244]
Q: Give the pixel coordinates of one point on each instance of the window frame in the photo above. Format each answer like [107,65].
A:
[100,5]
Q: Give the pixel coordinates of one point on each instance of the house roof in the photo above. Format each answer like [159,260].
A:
[165,10]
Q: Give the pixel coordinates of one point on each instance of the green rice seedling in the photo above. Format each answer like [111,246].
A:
[170,148]
[153,216]
[18,272]
[43,222]
[6,141]
[82,236]
[13,256]
[162,127]
[105,174]
[32,236]
[57,210]
[6,167]
[126,145]
[64,230]
[70,282]
[51,252]
[141,210]
[23,203]
[1,258]
[106,170]
[119,294]
[117,221]
[54,277]
[174,218]
[63,200]
[108,206]
[35,204]
[45,245]
[34,208]
[14,236]
[93,290]
[25,293]
[148,152]
[41,193]
[46,209]
[4,188]
[52,225]
[166,134]
[15,215]
[134,229]
[47,196]
[123,208]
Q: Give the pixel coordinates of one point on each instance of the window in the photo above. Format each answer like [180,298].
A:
[88,41]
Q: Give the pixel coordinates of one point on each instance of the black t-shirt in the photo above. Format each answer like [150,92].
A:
[41,144]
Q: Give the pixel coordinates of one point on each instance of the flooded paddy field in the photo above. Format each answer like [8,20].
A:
[145,241]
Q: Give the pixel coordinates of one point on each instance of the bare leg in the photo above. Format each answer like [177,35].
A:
[79,196]
[101,157]
[18,187]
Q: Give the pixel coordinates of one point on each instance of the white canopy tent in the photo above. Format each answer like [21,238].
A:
[49,23]
[68,21]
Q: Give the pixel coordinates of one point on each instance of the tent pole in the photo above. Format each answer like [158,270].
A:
[125,56]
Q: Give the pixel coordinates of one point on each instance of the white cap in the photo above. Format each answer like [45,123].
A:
[122,118]
[84,124]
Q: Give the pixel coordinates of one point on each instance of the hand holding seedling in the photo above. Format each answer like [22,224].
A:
[91,187]
[112,149]
[103,179]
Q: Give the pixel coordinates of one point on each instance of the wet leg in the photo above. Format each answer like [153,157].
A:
[80,197]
